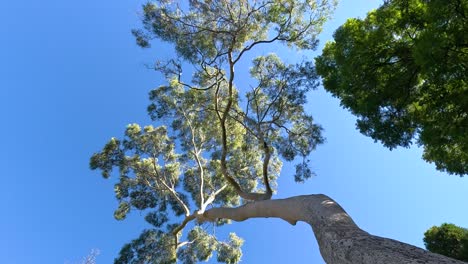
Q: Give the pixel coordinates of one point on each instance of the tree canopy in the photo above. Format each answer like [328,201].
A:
[214,143]
[403,72]
[449,240]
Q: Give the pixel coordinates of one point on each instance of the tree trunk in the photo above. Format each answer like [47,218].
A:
[340,239]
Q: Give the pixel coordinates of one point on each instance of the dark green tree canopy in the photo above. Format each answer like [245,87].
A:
[403,72]
[215,144]
[448,240]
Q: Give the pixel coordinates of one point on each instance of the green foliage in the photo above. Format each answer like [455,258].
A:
[109,157]
[207,26]
[153,246]
[122,211]
[449,240]
[221,145]
[402,70]
[146,162]
[230,252]
[203,244]
[201,247]
[157,219]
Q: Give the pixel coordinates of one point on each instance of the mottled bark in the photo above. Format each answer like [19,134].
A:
[340,239]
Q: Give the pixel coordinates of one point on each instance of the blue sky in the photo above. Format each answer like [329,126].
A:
[71,77]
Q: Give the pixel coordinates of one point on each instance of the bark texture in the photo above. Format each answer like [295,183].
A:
[340,240]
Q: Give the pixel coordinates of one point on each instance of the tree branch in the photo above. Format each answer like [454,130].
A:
[222,120]
[171,190]
[196,152]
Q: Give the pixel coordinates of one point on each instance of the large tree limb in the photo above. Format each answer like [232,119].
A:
[340,240]
[222,119]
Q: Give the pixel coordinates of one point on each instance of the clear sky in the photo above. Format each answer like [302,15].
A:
[71,77]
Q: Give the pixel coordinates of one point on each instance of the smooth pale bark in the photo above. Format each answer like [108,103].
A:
[339,238]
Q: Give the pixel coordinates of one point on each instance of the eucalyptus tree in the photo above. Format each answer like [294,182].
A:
[217,148]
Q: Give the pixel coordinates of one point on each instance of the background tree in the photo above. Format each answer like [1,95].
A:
[449,240]
[89,259]
[402,70]
[216,153]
